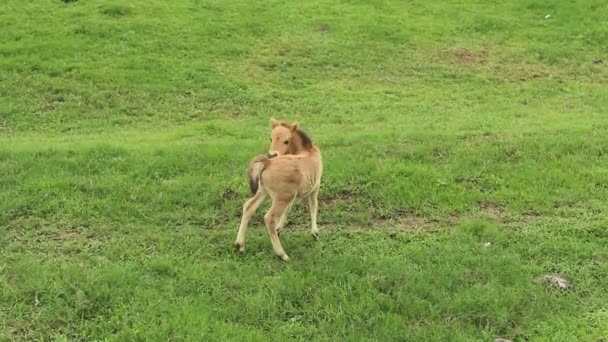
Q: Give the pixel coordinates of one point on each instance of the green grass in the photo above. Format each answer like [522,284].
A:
[126,128]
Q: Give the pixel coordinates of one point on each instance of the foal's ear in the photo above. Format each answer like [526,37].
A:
[274,123]
[295,126]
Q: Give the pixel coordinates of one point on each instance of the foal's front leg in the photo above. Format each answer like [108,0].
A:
[249,209]
[313,206]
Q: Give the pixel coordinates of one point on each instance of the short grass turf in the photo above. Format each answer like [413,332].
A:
[465,147]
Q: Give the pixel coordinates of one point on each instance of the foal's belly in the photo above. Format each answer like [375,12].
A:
[310,183]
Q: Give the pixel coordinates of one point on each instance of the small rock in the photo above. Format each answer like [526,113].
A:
[556,280]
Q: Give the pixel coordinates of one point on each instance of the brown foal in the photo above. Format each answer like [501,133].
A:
[292,169]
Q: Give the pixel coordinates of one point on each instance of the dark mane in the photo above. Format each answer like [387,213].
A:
[306,142]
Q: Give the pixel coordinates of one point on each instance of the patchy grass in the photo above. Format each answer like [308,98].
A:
[465,158]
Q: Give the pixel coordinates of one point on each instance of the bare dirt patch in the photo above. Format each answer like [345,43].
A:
[528,216]
[68,235]
[527,72]
[463,56]
[407,221]
[19,330]
[4,127]
[484,138]
[493,211]
[343,197]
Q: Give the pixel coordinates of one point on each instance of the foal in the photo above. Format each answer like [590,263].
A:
[292,169]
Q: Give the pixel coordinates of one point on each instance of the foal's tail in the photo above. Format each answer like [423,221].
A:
[256,166]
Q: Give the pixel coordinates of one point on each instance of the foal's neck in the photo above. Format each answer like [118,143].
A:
[296,146]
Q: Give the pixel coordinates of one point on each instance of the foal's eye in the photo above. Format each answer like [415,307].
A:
[286,142]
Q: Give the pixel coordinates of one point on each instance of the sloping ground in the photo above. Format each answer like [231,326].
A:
[465,157]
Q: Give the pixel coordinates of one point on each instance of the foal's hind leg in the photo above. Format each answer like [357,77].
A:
[283,219]
[249,209]
[272,218]
[313,206]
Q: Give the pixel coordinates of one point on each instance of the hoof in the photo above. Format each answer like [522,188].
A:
[239,247]
[315,235]
[284,257]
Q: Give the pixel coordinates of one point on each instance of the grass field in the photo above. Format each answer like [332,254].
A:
[465,146]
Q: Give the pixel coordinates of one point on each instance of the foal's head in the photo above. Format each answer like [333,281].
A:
[281,137]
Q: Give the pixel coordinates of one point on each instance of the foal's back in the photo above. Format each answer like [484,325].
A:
[290,175]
